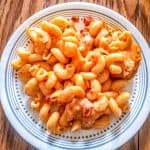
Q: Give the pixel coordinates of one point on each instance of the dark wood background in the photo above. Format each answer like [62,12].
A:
[14,12]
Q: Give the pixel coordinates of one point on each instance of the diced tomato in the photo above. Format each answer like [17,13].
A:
[87,20]
[75,18]
[87,107]
[82,31]
[87,111]
[47,98]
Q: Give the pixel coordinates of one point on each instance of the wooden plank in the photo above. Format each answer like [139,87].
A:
[144,136]
[9,139]
[144,18]
[143,24]
[132,144]
[137,11]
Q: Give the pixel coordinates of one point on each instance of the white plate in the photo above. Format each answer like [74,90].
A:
[26,122]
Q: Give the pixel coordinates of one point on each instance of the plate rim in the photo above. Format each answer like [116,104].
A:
[123,138]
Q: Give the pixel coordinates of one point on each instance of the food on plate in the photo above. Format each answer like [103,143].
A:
[76,70]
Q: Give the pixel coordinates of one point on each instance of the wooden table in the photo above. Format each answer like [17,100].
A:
[15,12]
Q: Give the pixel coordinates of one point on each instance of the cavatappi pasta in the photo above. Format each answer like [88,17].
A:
[76,78]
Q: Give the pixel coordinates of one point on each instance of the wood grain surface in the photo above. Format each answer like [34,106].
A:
[15,12]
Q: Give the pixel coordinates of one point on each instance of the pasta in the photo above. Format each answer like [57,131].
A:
[24,73]
[62,73]
[92,94]
[35,105]
[104,32]
[70,49]
[69,32]
[101,104]
[76,77]
[39,37]
[115,69]
[44,90]
[123,98]
[78,80]
[58,86]
[103,76]
[52,29]
[106,86]
[34,58]
[76,126]
[66,95]
[51,81]
[115,108]
[44,112]
[102,122]
[95,27]
[18,63]
[41,74]
[88,75]
[72,39]
[31,87]
[60,22]
[99,66]
[118,85]
[59,55]
[23,53]
[44,65]
[52,122]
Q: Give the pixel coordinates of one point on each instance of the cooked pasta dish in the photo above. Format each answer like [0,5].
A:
[76,70]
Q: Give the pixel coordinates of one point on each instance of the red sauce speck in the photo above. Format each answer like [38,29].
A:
[87,20]
[75,18]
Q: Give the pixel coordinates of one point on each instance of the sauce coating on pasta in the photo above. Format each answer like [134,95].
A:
[76,72]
